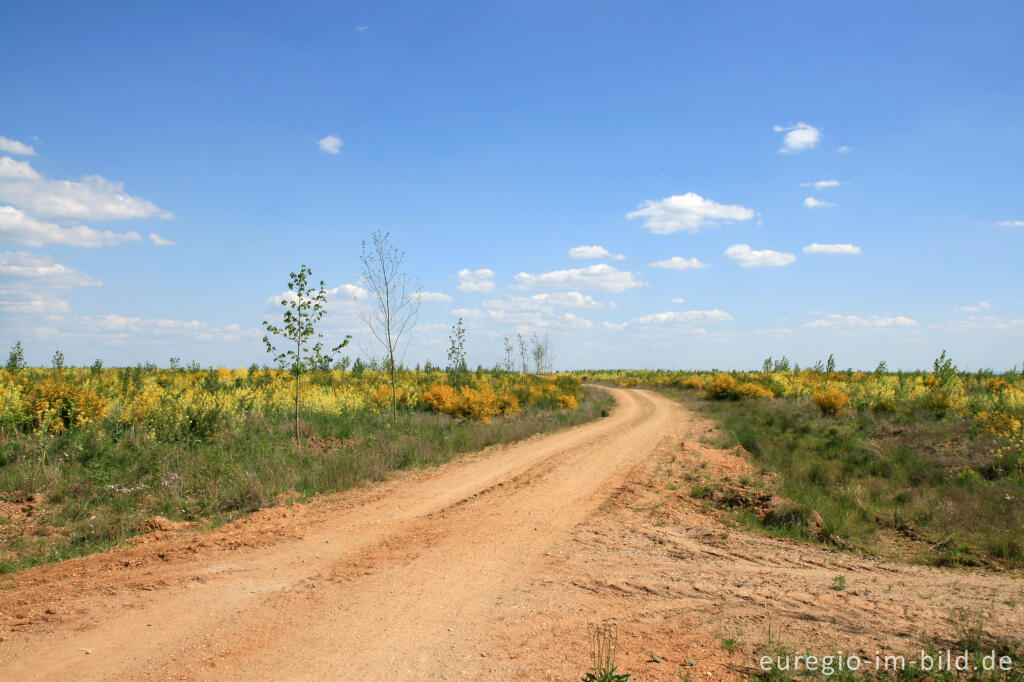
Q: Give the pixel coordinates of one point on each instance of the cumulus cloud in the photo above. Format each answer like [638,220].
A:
[679,300]
[836,321]
[844,149]
[475,280]
[976,308]
[91,198]
[120,328]
[678,263]
[688,211]
[821,184]
[832,248]
[798,138]
[15,147]
[615,326]
[17,228]
[159,241]
[1010,223]
[594,252]
[600,277]
[435,297]
[331,144]
[749,258]
[811,202]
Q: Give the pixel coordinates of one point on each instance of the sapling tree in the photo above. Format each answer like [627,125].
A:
[16,358]
[304,308]
[457,349]
[395,303]
[509,365]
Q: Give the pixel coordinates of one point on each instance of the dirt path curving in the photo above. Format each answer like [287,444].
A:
[487,568]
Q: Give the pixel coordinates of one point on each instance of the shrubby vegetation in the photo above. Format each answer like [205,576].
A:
[921,465]
[93,452]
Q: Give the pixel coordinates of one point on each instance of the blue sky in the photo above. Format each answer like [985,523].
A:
[683,139]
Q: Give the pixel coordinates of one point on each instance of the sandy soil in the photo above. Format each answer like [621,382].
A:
[488,568]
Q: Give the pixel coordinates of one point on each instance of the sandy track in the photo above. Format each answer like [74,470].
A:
[487,568]
[399,587]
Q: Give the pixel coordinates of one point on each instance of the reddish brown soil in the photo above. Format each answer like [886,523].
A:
[488,568]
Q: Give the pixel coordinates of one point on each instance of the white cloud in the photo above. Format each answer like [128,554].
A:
[600,277]
[475,280]
[435,297]
[615,327]
[594,252]
[331,144]
[31,283]
[1010,223]
[42,268]
[976,308]
[684,316]
[679,300]
[11,170]
[821,184]
[811,202]
[678,263]
[160,241]
[749,258]
[832,248]
[362,28]
[544,302]
[92,198]
[688,211]
[15,147]
[854,322]
[798,138]
[844,149]
[20,229]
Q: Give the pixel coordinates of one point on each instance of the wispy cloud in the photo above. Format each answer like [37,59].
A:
[821,184]
[33,283]
[362,28]
[689,212]
[475,281]
[848,249]
[679,263]
[331,144]
[684,316]
[981,307]
[836,321]
[600,277]
[798,138]
[14,147]
[811,202]
[844,149]
[750,258]
[434,297]
[1010,223]
[160,241]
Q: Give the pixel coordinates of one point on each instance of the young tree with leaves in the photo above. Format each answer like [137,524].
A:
[304,307]
[16,358]
[395,302]
[457,349]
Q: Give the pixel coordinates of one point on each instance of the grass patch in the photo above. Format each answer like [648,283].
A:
[88,488]
[917,486]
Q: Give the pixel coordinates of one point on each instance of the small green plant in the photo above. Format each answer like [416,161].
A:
[602,652]
[305,306]
[839,583]
[16,358]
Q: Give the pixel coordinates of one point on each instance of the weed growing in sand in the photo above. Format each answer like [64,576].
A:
[602,651]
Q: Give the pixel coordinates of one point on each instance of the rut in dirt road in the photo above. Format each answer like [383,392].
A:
[401,587]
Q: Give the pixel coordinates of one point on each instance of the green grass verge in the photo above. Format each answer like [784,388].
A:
[89,488]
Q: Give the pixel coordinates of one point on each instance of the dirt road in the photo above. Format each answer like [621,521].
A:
[488,568]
